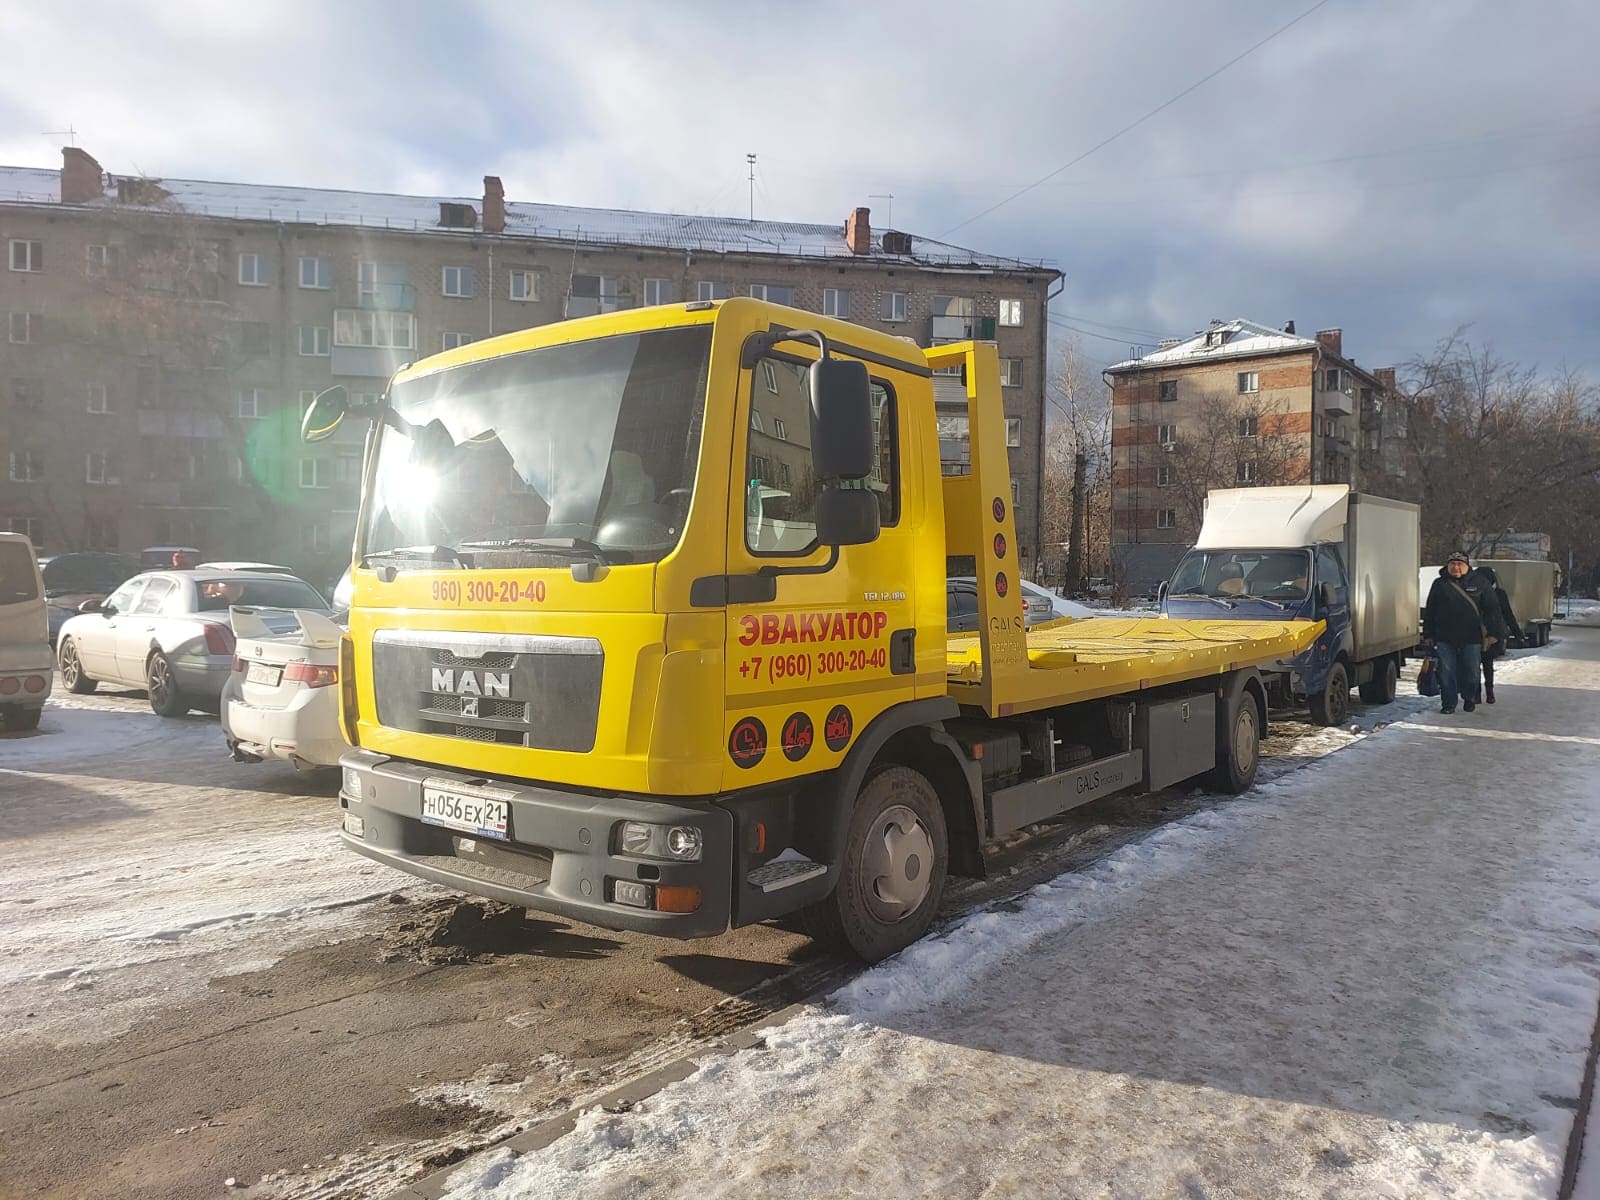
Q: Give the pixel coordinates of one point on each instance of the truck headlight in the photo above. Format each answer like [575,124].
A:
[352,783]
[682,843]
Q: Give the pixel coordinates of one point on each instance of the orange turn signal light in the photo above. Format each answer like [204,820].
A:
[677,899]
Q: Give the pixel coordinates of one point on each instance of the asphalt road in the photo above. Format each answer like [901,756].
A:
[202,986]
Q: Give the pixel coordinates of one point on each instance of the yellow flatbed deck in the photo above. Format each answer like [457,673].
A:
[1076,659]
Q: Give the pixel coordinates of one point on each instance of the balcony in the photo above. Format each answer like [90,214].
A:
[1339,404]
[960,329]
[387,297]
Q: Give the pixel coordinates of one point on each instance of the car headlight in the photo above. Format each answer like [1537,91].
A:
[681,843]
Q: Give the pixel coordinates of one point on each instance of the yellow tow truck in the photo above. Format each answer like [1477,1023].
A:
[649,631]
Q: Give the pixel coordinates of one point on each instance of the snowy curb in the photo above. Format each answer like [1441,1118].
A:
[619,1099]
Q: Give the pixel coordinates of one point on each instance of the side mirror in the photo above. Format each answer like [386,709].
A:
[1161,591]
[324,414]
[841,421]
[89,606]
[1328,594]
[847,516]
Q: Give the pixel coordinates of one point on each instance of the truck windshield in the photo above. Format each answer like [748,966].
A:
[587,449]
[1282,576]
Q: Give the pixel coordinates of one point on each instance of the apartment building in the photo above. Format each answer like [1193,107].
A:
[1239,405]
[164,336]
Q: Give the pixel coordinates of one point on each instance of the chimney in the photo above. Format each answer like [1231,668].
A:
[82,179]
[858,231]
[1331,340]
[1289,328]
[494,205]
[1385,376]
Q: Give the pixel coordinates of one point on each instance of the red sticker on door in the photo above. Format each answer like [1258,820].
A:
[999,545]
[999,509]
[798,734]
[836,730]
[1001,584]
[747,744]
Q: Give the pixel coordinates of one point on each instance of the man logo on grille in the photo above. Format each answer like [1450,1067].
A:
[469,706]
[472,683]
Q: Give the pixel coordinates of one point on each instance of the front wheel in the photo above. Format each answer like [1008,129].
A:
[1332,705]
[1238,746]
[892,872]
[162,687]
[72,674]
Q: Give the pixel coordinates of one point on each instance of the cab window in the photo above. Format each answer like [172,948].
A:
[780,483]
[1329,568]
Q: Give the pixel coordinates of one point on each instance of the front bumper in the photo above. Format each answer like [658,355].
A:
[558,854]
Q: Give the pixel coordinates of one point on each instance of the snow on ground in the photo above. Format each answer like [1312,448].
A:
[1375,977]
[1578,612]
[124,890]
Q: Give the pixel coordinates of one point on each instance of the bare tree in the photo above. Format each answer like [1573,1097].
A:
[1243,441]
[1077,468]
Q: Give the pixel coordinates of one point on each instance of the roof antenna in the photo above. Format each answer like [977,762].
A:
[751,159]
[69,133]
[888,209]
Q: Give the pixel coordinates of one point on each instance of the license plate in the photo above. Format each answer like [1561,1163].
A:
[266,673]
[470,812]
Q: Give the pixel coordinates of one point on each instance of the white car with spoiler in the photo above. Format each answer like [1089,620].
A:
[282,699]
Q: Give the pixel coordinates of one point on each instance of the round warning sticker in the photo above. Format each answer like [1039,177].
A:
[1001,584]
[798,734]
[999,545]
[747,744]
[999,509]
[836,730]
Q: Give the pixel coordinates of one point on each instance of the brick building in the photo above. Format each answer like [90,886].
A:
[163,336]
[1239,404]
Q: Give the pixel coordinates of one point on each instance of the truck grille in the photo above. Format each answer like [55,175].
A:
[536,691]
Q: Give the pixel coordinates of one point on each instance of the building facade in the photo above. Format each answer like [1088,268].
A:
[1239,405]
[164,336]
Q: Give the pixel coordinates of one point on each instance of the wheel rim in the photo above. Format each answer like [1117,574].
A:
[1245,741]
[896,864]
[158,682]
[1339,700]
[69,665]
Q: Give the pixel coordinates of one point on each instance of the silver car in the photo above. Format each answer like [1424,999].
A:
[168,633]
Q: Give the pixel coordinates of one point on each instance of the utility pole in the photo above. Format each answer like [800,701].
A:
[751,159]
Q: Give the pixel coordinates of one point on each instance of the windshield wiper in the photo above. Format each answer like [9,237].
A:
[573,547]
[1274,603]
[415,554]
[1218,600]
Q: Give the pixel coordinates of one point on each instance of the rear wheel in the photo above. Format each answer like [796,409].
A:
[1332,705]
[162,687]
[1238,745]
[17,719]
[892,870]
[72,670]
[1383,685]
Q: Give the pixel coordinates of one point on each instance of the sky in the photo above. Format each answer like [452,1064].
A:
[1398,168]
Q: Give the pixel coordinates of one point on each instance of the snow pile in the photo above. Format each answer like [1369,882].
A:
[1375,977]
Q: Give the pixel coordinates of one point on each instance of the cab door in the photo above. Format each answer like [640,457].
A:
[815,652]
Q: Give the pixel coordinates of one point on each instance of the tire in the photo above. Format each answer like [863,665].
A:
[162,687]
[1384,684]
[17,719]
[1332,705]
[72,674]
[897,836]
[1238,746]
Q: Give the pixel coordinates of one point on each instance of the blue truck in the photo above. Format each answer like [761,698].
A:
[1316,552]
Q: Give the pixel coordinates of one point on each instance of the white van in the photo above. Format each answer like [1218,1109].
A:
[26,663]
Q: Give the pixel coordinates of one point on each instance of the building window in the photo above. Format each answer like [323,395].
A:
[712,291]
[755,421]
[658,291]
[252,270]
[1247,427]
[100,533]
[1333,379]
[1163,476]
[1010,372]
[592,294]
[347,468]
[26,467]
[98,400]
[98,261]
[31,527]
[772,293]
[458,282]
[316,273]
[250,406]
[522,284]
[1013,431]
[1330,427]
[1011,313]
[99,468]
[894,306]
[1166,518]
[1246,472]
[451,340]
[1249,381]
[24,328]
[783,475]
[1167,389]
[374,329]
[315,472]
[778,430]
[769,374]
[27,256]
[1167,435]
[315,341]
[836,303]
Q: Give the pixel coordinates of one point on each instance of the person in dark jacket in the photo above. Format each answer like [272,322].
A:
[1453,620]
[1509,628]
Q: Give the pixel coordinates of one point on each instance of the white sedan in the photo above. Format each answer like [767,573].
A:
[282,697]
